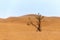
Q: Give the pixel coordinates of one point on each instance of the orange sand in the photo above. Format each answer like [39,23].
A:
[16,28]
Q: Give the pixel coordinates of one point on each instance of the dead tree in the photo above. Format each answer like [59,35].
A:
[39,18]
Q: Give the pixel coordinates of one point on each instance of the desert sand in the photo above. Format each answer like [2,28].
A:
[16,28]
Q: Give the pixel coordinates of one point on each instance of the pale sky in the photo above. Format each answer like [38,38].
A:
[23,7]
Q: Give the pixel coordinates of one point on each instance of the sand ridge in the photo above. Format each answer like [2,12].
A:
[16,28]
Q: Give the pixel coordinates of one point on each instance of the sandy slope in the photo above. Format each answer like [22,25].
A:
[16,28]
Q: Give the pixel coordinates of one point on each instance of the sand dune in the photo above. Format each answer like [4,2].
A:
[16,28]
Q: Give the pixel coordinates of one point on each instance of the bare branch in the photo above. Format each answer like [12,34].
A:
[34,25]
[39,18]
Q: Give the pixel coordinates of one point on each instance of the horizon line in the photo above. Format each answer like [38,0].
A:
[27,14]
